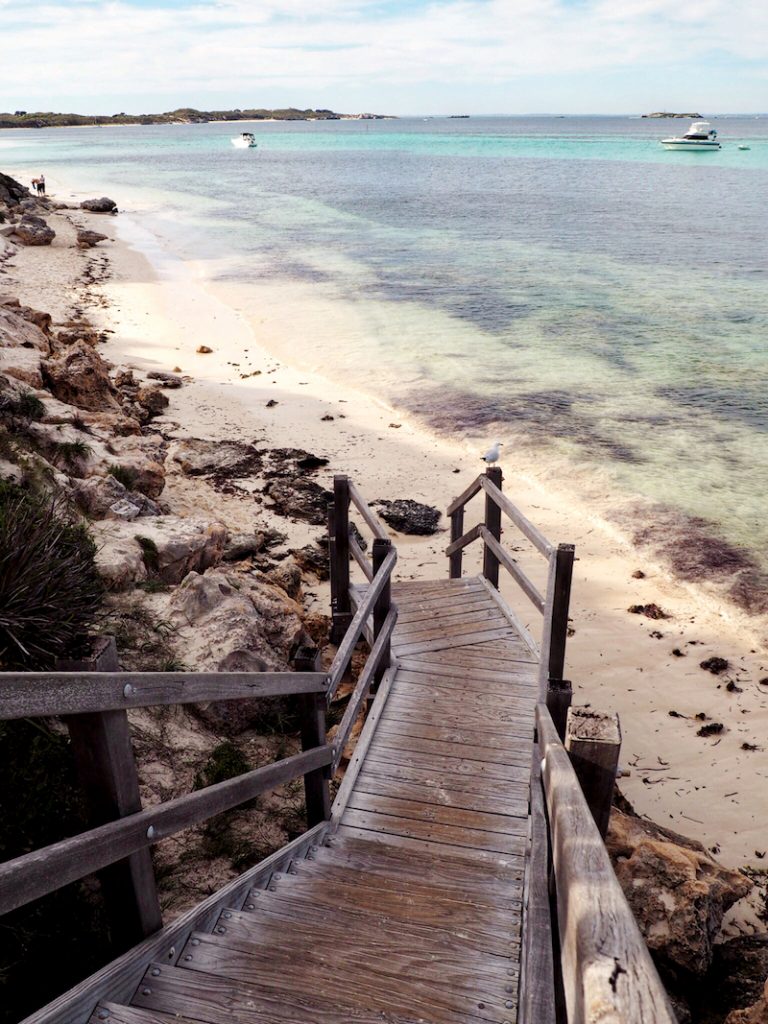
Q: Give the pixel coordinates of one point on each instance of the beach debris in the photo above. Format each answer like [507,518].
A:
[676,714]
[87,239]
[310,462]
[272,403]
[395,426]
[650,611]
[638,574]
[408,516]
[102,205]
[313,559]
[711,729]
[203,350]
[732,687]
[678,653]
[749,746]
[715,665]
[167,380]
[300,498]
[763,681]
[327,418]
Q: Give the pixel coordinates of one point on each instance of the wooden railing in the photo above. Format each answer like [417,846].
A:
[553,605]
[94,695]
[601,967]
[375,602]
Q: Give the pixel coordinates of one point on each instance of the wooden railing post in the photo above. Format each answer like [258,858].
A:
[493,525]
[559,697]
[317,794]
[593,741]
[457,529]
[341,607]
[556,607]
[101,744]
[381,549]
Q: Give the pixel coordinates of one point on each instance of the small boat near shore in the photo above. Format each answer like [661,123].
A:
[700,136]
[244,141]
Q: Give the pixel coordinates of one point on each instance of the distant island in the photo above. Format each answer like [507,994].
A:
[184,115]
[666,113]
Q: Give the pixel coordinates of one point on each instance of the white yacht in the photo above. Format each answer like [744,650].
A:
[244,141]
[699,136]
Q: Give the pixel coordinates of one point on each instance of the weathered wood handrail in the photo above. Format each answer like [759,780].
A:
[359,556]
[371,520]
[35,874]
[607,971]
[33,694]
[524,525]
[377,656]
[514,570]
[364,610]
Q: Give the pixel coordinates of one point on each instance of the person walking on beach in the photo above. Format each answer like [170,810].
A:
[41,185]
[35,183]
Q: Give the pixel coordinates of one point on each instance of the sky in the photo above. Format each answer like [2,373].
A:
[387,56]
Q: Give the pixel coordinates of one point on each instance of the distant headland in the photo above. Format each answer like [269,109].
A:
[666,113]
[184,115]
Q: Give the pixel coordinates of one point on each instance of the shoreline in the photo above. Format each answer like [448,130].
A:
[160,310]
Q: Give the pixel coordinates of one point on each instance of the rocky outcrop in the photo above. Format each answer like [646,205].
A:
[165,548]
[755,1014]
[24,327]
[33,230]
[225,459]
[12,192]
[104,496]
[407,516]
[79,376]
[102,205]
[677,891]
[87,239]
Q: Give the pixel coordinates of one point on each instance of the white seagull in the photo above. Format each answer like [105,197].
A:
[493,454]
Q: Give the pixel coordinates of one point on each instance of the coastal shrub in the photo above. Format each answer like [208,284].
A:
[124,475]
[226,762]
[149,553]
[71,453]
[22,408]
[50,590]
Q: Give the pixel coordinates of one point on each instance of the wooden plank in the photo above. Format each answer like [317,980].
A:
[37,694]
[464,541]
[443,695]
[495,789]
[607,969]
[477,718]
[442,643]
[371,520]
[457,529]
[114,1013]
[443,611]
[414,924]
[514,620]
[593,742]
[413,861]
[524,525]
[400,983]
[42,871]
[501,803]
[446,850]
[516,686]
[448,666]
[118,979]
[433,832]
[518,754]
[411,632]
[427,886]
[440,813]
[364,609]
[503,739]
[492,525]
[514,570]
[465,496]
[359,556]
[221,1001]
[450,765]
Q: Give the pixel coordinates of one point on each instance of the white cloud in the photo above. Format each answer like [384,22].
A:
[89,47]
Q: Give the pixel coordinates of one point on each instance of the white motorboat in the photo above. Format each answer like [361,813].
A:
[700,136]
[244,141]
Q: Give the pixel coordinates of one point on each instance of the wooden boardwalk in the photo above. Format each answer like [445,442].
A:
[412,907]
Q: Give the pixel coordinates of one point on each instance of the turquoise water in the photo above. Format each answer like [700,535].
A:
[562,282]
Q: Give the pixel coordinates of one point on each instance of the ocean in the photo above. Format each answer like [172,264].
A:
[563,284]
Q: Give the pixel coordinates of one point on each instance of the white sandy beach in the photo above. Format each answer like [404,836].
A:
[160,310]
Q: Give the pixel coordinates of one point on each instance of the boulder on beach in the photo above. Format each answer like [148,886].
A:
[407,516]
[32,230]
[102,205]
[11,191]
[79,376]
[87,239]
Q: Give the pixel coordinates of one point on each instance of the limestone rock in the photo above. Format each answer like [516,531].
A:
[288,577]
[78,376]
[12,192]
[755,1014]
[167,380]
[17,332]
[300,498]
[102,205]
[226,459]
[152,400]
[98,495]
[119,558]
[22,363]
[222,612]
[677,891]
[738,975]
[32,230]
[87,239]
[407,516]
[313,558]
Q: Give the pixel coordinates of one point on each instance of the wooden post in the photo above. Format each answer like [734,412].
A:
[593,741]
[317,794]
[559,697]
[101,744]
[493,524]
[560,603]
[381,549]
[457,529]
[341,607]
